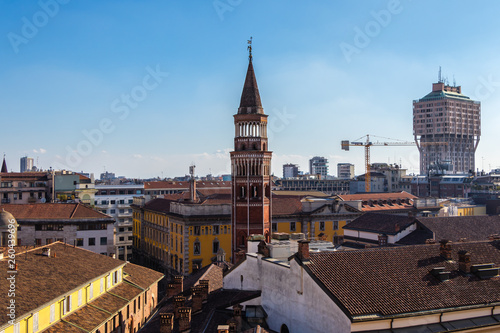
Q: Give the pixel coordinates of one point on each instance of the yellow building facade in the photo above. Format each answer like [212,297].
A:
[53,288]
[180,237]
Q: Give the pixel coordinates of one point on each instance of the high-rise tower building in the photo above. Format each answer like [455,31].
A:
[447,128]
[26,164]
[250,168]
[318,166]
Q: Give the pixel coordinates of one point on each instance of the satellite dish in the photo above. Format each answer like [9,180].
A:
[43,200]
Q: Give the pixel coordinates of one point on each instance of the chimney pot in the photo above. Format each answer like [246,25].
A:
[184,319]
[464,261]
[303,249]
[166,322]
[205,285]
[179,302]
[445,249]
[197,295]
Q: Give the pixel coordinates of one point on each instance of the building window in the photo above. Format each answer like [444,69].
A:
[80,300]
[322,226]
[52,313]
[91,241]
[67,304]
[35,322]
[197,248]
[79,242]
[102,285]
[215,246]
[215,229]
[91,290]
[335,225]
[122,239]
[274,227]
[292,226]
[17,328]
[197,230]
[104,240]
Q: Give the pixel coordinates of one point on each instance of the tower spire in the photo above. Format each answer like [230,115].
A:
[250,98]
[4,165]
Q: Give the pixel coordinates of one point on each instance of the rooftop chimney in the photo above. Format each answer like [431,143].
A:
[382,240]
[197,293]
[205,285]
[166,322]
[303,249]
[233,327]
[179,302]
[237,316]
[445,249]
[46,252]
[464,262]
[185,319]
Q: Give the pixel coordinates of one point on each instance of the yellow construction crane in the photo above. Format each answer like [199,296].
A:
[345,144]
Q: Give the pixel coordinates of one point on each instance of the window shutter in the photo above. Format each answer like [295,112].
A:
[35,322]
[52,313]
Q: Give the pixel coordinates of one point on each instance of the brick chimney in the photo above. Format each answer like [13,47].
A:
[237,316]
[166,322]
[464,262]
[445,249]
[197,298]
[185,319]
[233,327]
[382,240]
[179,302]
[179,282]
[303,249]
[205,285]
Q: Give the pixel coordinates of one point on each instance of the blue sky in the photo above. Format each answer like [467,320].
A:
[145,88]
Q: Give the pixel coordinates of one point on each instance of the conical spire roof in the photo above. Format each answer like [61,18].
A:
[4,166]
[250,97]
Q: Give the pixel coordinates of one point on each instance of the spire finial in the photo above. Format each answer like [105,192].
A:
[249,48]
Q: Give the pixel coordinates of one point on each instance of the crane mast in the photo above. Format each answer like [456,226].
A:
[345,144]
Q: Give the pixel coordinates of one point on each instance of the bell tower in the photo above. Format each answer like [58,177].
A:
[250,167]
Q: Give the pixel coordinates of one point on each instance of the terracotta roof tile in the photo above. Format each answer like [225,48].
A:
[380,223]
[377,196]
[141,276]
[53,211]
[52,276]
[472,228]
[286,205]
[396,280]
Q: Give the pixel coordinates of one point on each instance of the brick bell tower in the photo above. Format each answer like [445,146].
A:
[250,168]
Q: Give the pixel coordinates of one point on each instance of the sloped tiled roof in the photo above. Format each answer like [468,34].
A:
[472,228]
[377,196]
[53,211]
[380,223]
[286,205]
[397,280]
[42,279]
[141,276]
[158,205]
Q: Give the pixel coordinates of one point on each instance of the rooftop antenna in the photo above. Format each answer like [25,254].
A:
[439,75]
[249,48]
[454,81]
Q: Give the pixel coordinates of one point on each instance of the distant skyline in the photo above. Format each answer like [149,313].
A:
[145,89]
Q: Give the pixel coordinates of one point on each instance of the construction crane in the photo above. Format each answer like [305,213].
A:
[345,144]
